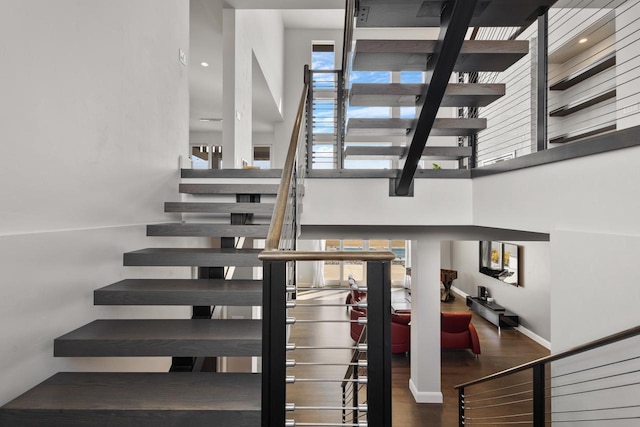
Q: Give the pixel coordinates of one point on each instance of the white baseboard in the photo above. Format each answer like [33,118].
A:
[424,396]
[537,338]
[526,332]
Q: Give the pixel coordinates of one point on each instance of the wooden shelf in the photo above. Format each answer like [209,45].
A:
[583,74]
[569,138]
[581,104]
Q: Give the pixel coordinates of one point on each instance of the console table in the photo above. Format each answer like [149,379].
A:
[493,313]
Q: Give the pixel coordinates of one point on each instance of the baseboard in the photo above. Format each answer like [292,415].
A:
[537,338]
[459,292]
[526,332]
[424,396]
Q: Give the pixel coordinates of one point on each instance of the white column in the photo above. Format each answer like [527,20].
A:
[425,321]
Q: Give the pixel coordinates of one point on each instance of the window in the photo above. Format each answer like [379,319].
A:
[262,156]
[200,157]
[337,272]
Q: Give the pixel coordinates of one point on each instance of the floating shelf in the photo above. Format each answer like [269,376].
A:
[581,104]
[569,138]
[583,74]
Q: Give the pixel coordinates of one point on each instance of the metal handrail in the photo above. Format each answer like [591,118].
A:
[271,251]
[627,333]
[349,15]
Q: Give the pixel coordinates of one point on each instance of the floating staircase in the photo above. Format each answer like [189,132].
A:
[385,134]
[175,398]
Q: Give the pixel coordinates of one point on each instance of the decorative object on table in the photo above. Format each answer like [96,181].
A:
[447,277]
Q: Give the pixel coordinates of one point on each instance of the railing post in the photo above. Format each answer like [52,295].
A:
[274,340]
[379,343]
[340,107]
[461,407]
[308,75]
[541,82]
[538,395]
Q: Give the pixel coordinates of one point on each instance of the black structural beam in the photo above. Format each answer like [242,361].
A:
[455,19]
[542,91]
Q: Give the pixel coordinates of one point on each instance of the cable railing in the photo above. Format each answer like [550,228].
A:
[279,355]
[593,384]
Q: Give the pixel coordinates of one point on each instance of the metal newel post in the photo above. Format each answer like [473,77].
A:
[538,396]
[461,407]
[274,341]
[379,343]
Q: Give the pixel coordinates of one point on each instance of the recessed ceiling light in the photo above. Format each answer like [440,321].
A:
[204,64]
[205,119]
[583,40]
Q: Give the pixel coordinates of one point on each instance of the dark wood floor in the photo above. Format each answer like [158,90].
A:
[499,352]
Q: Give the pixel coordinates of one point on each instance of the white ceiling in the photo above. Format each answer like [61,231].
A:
[205,84]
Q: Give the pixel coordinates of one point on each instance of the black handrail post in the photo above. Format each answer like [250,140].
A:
[461,407]
[541,82]
[379,343]
[308,79]
[274,337]
[341,110]
[538,395]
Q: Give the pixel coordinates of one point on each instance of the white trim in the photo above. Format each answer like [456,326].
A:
[424,396]
[537,338]
[526,332]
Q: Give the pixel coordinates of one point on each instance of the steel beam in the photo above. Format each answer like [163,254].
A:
[455,19]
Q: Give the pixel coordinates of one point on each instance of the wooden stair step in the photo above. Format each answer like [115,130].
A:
[412,55]
[398,126]
[181,292]
[426,13]
[200,257]
[229,188]
[86,399]
[162,337]
[220,208]
[404,95]
[398,152]
[208,230]
[231,173]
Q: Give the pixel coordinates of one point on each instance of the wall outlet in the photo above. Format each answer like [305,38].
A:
[182,56]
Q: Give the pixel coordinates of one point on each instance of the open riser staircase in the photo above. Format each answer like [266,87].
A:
[190,394]
[453,51]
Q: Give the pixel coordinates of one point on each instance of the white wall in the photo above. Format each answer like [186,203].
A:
[94,114]
[205,138]
[248,34]
[531,301]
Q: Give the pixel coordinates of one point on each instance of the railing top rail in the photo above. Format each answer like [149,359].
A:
[276,255]
[279,210]
[628,333]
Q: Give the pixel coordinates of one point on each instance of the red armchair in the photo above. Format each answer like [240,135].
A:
[400,329]
[457,332]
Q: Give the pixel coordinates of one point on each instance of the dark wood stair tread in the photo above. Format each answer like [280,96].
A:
[219,208]
[412,55]
[404,94]
[201,257]
[138,399]
[181,292]
[229,188]
[583,74]
[426,13]
[208,230]
[399,126]
[431,152]
[162,337]
[231,173]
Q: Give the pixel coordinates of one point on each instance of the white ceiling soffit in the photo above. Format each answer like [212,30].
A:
[319,19]
[286,4]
